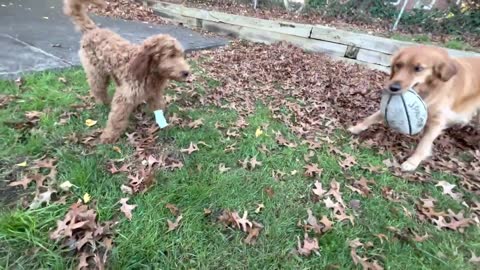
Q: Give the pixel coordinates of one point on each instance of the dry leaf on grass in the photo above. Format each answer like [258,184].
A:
[41,198]
[253,233]
[475,259]
[232,133]
[230,148]
[254,163]
[173,209]
[270,192]
[312,170]
[90,122]
[448,190]
[222,168]
[84,236]
[114,170]
[308,156]
[361,186]
[308,246]
[419,238]
[23,182]
[192,148]
[450,220]
[241,123]
[390,194]
[381,236]
[251,163]
[258,132]
[283,142]
[126,189]
[65,186]
[364,262]
[260,207]
[196,124]
[348,162]
[251,228]
[319,227]
[126,208]
[242,222]
[173,225]
[335,192]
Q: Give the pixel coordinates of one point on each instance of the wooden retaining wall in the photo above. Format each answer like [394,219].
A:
[372,51]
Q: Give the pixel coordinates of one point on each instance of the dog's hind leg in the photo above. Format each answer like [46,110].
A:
[98,80]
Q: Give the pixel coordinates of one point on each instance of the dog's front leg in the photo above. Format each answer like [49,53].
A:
[117,122]
[424,148]
[157,102]
[375,118]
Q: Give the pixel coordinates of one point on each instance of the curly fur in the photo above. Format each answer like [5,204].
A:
[140,72]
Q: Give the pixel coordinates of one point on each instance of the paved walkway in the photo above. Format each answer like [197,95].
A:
[36,36]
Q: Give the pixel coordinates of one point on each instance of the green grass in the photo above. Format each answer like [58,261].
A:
[456,44]
[199,242]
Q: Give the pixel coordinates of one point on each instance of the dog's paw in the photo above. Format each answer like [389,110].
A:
[357,129]
[409,166]
[106,138]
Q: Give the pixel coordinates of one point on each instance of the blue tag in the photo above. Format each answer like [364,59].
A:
[160,119]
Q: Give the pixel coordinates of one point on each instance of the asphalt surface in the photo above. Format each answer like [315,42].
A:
[36,36]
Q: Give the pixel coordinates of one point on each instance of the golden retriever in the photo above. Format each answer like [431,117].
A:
[449,86]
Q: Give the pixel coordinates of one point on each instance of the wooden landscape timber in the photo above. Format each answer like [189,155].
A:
[373,51]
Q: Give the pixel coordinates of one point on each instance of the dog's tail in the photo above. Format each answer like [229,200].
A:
[76,9]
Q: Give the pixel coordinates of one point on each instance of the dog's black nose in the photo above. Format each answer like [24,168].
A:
[185,74]
[395,87]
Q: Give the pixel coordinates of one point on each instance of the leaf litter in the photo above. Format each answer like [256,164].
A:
[325,103]
[233,220]
[81,233]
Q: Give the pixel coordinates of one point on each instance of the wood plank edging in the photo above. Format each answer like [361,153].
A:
[372,51]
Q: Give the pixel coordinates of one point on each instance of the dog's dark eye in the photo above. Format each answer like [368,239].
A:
[172,55]
[398,65]
[418,68]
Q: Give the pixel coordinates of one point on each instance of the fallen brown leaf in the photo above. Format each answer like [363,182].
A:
[318,190]
[448,190]
[196,124]
[312,170]
[222,168]
[192,148]
[173,209]
[260,207]
[308,246]
[126,208]
[23,182]
[173,225]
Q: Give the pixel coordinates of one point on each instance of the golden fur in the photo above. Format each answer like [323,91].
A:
[140,72]
[449,86]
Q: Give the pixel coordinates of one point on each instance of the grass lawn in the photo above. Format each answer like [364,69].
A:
[200,241]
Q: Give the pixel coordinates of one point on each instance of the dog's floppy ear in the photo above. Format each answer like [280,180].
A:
[445,70]
[139,66]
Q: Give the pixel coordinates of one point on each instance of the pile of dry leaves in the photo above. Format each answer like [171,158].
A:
[316,95]
[81,233]
[128,10]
